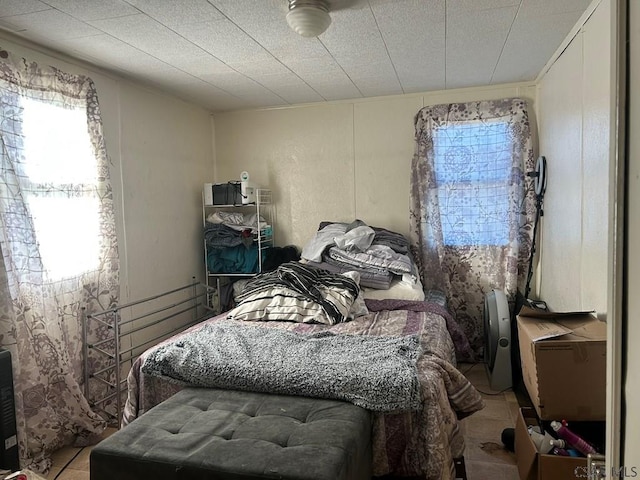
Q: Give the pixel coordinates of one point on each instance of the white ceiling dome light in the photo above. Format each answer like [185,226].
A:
[308,18]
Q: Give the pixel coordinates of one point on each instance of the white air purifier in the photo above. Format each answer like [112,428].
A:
[497,331]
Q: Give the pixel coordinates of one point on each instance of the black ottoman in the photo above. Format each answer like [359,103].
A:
[222,434]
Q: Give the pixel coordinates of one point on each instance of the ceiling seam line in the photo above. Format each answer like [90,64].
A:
[445,45]
[495,67]
[386,48]
[341,68]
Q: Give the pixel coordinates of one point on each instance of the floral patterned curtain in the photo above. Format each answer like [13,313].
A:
[40,320]
[472,206]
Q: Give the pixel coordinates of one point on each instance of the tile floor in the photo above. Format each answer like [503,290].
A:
[72,463]
[485,457]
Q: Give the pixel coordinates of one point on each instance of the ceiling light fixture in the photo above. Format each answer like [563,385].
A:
[308,18]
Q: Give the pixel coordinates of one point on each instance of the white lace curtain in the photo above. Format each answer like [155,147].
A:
[49,213]
[472,208]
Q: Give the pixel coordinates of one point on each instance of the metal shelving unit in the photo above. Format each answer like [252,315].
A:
[263,207]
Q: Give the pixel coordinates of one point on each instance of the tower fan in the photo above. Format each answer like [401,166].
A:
[497,331]
[501,335]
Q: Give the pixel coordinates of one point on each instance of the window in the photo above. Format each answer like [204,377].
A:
[61,172]
[472,163]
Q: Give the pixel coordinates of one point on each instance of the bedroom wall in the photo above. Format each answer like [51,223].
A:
[575,125]
[335,161]
[161,150]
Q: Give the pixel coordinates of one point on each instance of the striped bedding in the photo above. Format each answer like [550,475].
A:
[414,443]
[298,293]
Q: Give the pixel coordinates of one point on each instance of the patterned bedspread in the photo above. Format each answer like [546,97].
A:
[414,443]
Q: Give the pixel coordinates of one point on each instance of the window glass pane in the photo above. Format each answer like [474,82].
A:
[68,233]
[61,191]
[57,145]
[472,169]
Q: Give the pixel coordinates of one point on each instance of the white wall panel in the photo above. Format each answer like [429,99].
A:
[304,154]
[595,160]
[384,148]
[165,147]
[560,117]
[574,116]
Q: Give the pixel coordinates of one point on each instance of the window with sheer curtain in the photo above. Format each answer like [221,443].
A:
[61,175]
[58,250]
[472,164]
[471,208]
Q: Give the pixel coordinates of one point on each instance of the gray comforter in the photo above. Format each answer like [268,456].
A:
[377,373]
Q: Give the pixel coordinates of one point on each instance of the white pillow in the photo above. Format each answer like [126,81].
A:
[358,307]
[399,290]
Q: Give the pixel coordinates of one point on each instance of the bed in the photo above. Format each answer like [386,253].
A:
[414,443]
[416,429]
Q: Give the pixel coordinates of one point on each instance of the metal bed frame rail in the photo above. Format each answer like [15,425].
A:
[111,349]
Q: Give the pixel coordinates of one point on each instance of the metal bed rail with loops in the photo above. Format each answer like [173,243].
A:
[111,348]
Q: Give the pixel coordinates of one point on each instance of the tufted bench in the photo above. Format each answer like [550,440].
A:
[222,434]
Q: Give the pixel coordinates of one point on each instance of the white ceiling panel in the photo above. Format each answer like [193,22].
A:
[93,9]
[525,50]
[178,12]
[268,67]
[331,89]
[301,93]
[474,45]
[234,83]
[356,69]
[354,34]
[414,36]
[267,99]
[111,51]
[231,54]
[148,35]
[464,7]
[199,65]
[224,40]
[376,86]
[18,7]
[547,8]
[51,23]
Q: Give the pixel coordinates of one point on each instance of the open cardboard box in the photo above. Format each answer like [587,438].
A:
[533,465]
[564,361]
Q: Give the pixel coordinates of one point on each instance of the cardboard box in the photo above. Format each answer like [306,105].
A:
[564,365]
[533,465]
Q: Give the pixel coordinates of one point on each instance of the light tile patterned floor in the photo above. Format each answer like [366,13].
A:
[485,456]
[72,463]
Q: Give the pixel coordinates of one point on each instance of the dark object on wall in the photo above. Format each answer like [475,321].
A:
[8,430]
[276,256]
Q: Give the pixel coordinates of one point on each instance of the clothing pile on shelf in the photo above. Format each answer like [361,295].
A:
[230,242]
